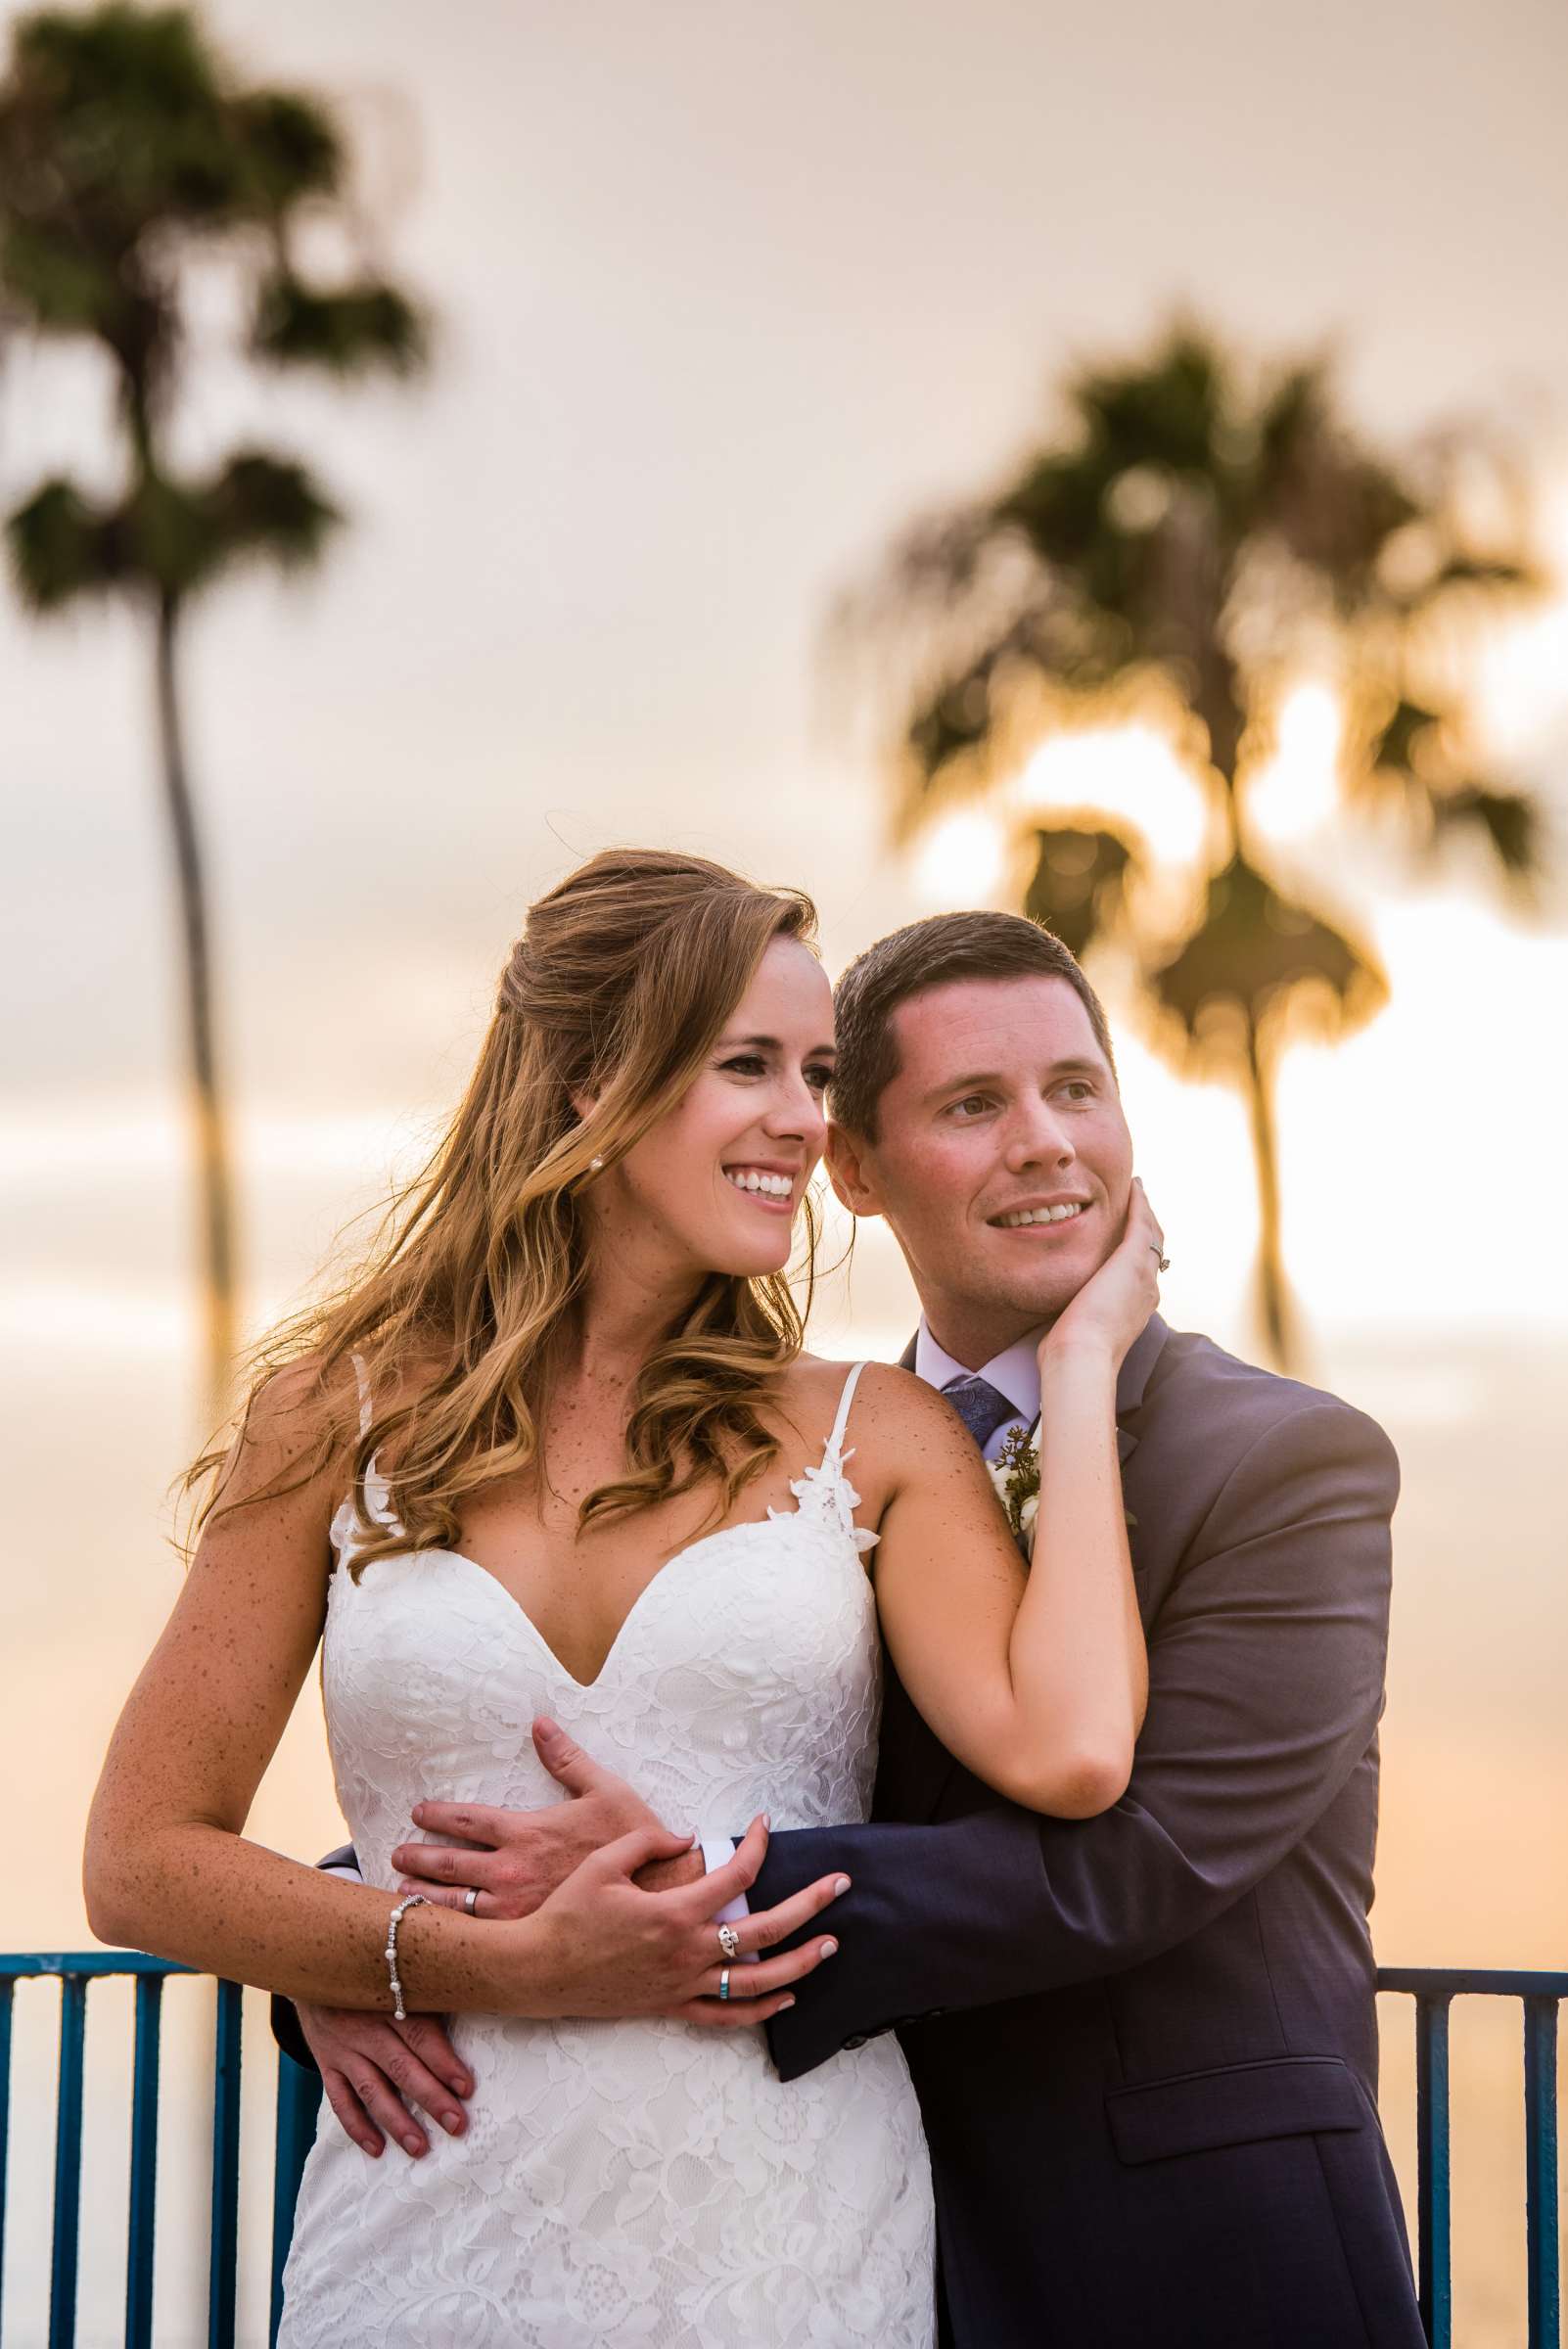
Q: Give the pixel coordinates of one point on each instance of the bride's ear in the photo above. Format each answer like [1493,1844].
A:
[845,1159]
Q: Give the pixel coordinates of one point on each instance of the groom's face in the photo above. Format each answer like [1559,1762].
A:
[1003,1103]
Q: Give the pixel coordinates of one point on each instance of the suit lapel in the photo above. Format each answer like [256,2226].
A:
[1140,1360]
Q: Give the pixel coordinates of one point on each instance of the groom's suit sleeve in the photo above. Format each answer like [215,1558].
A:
[285,2019]
[1266,1685]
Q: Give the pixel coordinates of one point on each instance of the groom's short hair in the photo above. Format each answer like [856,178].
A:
[909,963]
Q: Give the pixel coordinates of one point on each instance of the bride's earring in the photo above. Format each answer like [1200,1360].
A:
[596,1166]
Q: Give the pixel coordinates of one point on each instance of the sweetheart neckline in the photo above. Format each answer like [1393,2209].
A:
[774,1516]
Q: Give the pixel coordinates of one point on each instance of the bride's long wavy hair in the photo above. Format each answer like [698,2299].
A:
[617,991]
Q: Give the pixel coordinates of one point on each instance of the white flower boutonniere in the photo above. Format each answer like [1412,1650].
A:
[1015,1473]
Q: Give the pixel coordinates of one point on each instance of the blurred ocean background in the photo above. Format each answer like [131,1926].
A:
[723,298]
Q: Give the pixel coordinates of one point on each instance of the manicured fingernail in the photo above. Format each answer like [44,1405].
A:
[766,1821]
[451,2121]
[841,1884]
[829,1947]
[412,2145]
[463,2084]
[366,2146]
[783,2003]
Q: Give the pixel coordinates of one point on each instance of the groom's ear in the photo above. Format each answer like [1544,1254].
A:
[845,1158]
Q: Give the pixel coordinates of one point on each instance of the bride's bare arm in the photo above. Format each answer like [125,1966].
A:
[1036,1683]
[169,1869]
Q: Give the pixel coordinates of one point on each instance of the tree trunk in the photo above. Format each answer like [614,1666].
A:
[1274,1295]
[215,1178]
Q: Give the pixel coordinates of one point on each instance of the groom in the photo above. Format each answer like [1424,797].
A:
[1145,2044]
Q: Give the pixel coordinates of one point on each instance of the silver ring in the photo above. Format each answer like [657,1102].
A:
[471,1898]
[729,1941]
[723,1981]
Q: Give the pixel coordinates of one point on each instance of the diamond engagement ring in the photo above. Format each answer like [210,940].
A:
[470,1899]
[729,1941]
[1165,1260]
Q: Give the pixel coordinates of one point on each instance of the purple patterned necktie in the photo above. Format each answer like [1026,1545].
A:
[980,1405]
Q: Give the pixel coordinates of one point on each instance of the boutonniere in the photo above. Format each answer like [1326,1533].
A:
[1015,1475]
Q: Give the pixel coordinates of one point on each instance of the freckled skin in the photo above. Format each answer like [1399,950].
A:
[168,1866]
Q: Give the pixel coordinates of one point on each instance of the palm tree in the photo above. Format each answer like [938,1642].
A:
[1188,545]
[129,150]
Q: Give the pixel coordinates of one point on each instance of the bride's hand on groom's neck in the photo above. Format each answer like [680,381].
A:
[1101,1322]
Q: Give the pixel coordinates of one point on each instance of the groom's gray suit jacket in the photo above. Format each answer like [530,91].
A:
[1146,2044]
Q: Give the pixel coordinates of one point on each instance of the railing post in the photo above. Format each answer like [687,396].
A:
[299,2103]
[141,2224]
[1432,2186]
[67,2162]
[299,2095]
[221,2274]
[7,1988]
[1540,2168]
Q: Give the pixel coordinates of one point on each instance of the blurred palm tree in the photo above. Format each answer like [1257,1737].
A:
[129,153]
[1188,546]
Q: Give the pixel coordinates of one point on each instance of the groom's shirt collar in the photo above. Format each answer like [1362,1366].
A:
[1014,1373]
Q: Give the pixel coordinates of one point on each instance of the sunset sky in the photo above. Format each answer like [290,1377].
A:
[727,295]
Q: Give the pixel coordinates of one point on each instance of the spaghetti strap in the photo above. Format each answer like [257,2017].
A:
[373,1490]
[364,1391]
[835,1441]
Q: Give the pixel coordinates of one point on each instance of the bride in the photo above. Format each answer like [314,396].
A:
[557,1450]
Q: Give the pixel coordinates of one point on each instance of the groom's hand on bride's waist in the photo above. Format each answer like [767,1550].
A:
[379,2075]
[610,1946]
[512,1860]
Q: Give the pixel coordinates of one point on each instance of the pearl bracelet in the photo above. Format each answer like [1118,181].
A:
[415,1900]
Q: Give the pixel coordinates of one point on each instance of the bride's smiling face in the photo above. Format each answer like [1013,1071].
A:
[719,1180]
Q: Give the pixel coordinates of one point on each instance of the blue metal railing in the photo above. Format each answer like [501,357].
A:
[1434,1990]
[299,2095]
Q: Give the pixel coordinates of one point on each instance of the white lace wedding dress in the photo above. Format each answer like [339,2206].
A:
[640,2185]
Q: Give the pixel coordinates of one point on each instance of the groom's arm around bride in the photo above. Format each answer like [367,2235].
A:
[1262,1558]
[1153,2079]
[1145,2042]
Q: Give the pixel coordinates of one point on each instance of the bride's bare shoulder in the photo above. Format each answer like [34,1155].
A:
[889,1404]
[891,1400]
[810,1386]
